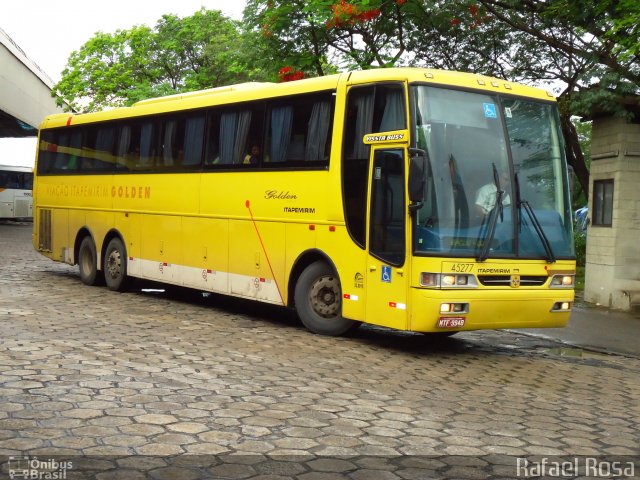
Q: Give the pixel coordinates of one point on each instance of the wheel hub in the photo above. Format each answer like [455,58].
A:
[113,264]
[325,297]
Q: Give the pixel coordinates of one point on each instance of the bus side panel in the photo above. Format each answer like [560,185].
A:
[300,238]
[78,220]
[161,249]
[128,224]
[254,251]
[206,253]
[59,234]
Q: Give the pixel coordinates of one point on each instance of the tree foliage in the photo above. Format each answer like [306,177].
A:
[179,54]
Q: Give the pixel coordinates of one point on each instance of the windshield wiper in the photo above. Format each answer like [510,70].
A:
[493,217]
[534,220]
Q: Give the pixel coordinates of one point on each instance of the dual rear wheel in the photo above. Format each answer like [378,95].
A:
[114,265]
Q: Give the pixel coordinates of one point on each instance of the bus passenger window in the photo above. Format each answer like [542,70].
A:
[317,146]
[234,127]
[281,127]
[212,152]
[97,148]
[46,151]
[193,140]
[298,130]
[148,146]
[171,144]
[129,147]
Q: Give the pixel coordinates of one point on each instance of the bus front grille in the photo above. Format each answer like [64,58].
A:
[44,231]
[505,280]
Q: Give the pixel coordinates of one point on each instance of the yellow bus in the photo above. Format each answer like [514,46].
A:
[415,199]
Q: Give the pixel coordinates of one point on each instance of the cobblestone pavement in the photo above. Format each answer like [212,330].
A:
[136,380]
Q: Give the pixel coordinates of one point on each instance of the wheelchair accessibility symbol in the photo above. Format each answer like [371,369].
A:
[386,274]
[490,110]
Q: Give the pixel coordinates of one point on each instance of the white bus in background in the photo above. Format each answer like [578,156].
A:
[16,192]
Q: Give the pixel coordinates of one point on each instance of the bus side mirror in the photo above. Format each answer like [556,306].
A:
[417,175]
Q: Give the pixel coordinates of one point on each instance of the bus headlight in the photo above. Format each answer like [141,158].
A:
[429,279]
[447,280]
[562,281]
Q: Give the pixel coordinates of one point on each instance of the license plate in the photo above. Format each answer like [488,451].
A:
[451,322]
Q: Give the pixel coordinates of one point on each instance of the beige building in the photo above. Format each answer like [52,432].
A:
[613,236]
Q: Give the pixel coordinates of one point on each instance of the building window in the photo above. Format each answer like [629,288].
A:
[602,203]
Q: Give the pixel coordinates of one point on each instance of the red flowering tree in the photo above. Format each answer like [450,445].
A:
[289,74]
[319,35]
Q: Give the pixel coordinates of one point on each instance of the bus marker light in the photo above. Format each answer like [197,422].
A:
[451,322]
[312,227]
[399,306]
[348,296]
[332,228]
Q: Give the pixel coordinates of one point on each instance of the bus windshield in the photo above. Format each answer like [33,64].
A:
[481,174]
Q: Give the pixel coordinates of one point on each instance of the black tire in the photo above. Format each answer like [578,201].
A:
[115,266]
[318,300]
[87,262]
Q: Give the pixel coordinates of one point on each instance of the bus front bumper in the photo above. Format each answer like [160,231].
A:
[488,309]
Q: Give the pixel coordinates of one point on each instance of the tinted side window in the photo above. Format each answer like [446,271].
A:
[128,149]
[97,148]
[46,151]
[240,129]
[65,150]
[387,236]
[298,131]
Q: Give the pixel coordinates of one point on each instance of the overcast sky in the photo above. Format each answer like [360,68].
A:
[48,31]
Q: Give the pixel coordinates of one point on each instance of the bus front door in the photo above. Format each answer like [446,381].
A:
[387,275]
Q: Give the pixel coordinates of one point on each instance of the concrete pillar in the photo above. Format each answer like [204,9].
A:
[612,275]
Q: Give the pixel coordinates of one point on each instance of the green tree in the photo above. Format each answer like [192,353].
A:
[200,51]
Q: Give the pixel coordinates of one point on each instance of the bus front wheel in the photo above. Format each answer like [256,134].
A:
[115,266]
[87,262]
[318,300]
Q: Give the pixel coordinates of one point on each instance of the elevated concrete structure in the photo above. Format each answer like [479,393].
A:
[613,252]
[25,91]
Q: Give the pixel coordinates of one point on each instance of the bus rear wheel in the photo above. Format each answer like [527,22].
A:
[318,300]
[115,266]
[87,262]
